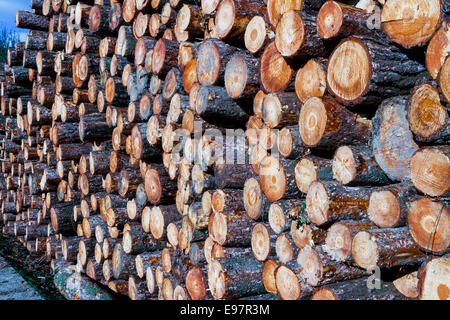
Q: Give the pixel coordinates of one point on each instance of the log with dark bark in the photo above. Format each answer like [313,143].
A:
[428,223]
[367,62]
[392,140]
[356,290]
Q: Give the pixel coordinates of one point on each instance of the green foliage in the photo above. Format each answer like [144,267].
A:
[8,39]
[299,218]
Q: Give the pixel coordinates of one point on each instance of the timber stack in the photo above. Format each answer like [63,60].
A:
[231,149]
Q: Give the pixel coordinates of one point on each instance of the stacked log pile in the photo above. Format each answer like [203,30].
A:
[233,149]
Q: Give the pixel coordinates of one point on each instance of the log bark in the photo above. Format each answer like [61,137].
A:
[385,248]
[365,58]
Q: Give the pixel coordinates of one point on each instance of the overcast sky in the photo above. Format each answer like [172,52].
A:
[8,10]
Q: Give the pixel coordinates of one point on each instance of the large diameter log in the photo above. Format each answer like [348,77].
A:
[274,71]
[407,285]
[433,279]
[214,105]
[430,170]
[235,277]
[427,117]
[411,23]
[75,286]
[428,223]
[276,8]
[363,83]
[385,248]
[328,201]
[122,263]
[392,140]
[231,228]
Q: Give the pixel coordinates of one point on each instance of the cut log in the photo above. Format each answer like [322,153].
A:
[411,23]
[355,165]
[388,206]
[408,285]
[356,289]
[427,117]
[433,279]
[316,268]
[385,248]
[392,140]
[243,277]
[324,123]
[430,170]
[428,223]
[328,201]
[274,71]
[364,58]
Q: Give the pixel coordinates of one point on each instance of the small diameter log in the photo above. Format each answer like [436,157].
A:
[388,206]
[262,242]
[122,263]
[296,37]
[338,242]
[433,279]
[411,23]
[328,201]
[356,289]
[274,71]
[99,162]
[256,34]
[278,179]
[336,21]
[385,248]
[363,57]
[324,123]
[407,285]
[30,20]
[76,286]
[140,147]
[212,58]
[214,105]
[311,168]
[392,140]
[355,165]
[165,56]
[136,241]
[61,215]
[235,277]
[428,223]
[316,267]
[280,109]
[232,17]
[154,180]
[427,117]
[99,19]
[93,127]
[231,228]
